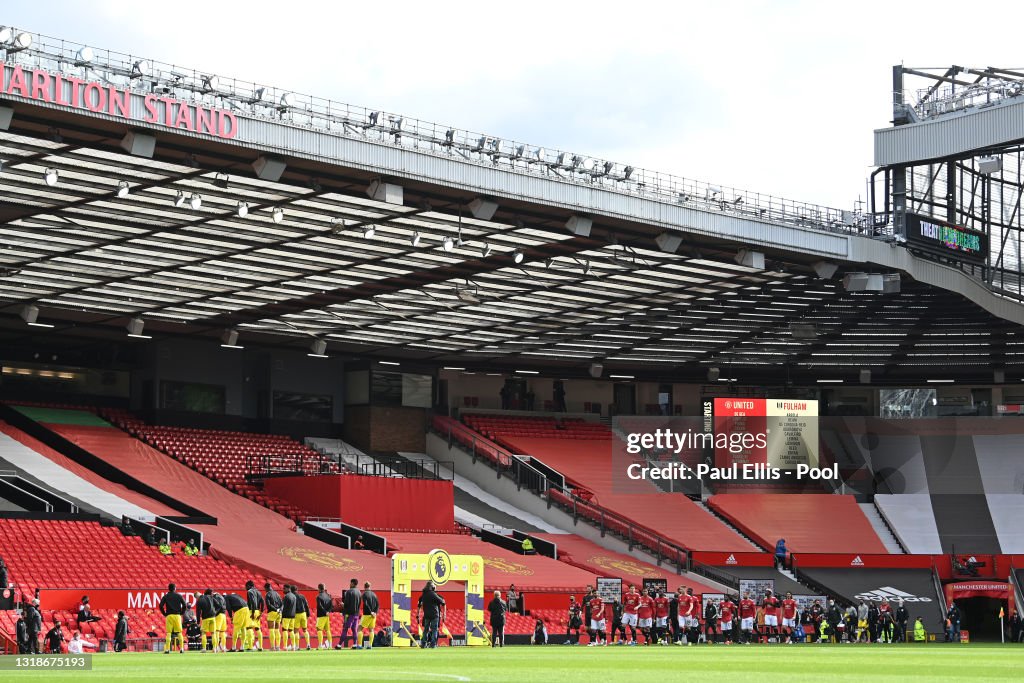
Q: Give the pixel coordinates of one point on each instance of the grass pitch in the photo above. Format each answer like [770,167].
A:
[562,664]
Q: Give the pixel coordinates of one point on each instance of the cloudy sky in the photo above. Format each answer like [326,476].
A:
[775,97]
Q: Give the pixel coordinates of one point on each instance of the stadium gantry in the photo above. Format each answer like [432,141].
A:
[165,199]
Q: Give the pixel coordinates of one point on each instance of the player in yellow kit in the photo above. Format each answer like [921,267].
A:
[172,606]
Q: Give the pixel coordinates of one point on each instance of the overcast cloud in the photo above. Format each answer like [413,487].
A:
[774,97]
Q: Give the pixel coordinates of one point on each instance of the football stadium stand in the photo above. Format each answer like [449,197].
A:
[247,534]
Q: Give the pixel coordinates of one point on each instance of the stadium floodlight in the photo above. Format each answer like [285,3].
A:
[369,231]
[51,176]
[587,164]
[520,152]
[135,327]
[449,137]
[485,251]
[480,144]
[257,95]
[229,340]
[5,34]
[609,166]
[990,165]
[179,199]
[195,201]
[210,83]
[517,256]
[448,244]
[139,69]
[714,374]
[277,215]
[317,349]
[243,209]
[84,56]
[373,117]
[123,189]
[287,101]
[415,241]
[540,154]
[627,172]
[576,161]
[22,41]
[466,296]
[30,314]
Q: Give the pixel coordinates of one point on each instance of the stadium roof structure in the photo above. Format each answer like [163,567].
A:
[196,206]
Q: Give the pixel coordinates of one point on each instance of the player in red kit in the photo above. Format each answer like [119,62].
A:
[645,615]
[789,617]
[661,606]
[770,605]
[727,609]
[630,606]
[597,621]
[748,612]
[693,617]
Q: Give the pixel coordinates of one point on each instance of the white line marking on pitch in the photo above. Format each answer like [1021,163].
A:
[453,677]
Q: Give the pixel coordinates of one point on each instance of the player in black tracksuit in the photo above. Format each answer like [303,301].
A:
[301,616]
[324,603]
[273,603]
[288,604]
[256,606]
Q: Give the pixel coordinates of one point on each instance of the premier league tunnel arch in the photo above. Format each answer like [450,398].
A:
[441,568]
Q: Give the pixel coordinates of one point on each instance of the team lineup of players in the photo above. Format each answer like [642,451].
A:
[287,618]
[656,616]
[677,619]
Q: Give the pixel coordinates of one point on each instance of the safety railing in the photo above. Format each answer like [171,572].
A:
[519,470]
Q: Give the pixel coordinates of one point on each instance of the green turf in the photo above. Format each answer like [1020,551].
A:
[62,416]
[561,664]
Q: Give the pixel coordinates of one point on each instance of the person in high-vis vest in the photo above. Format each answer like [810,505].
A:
[527,546]
[920,635]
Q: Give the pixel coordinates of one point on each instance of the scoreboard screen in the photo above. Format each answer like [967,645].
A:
[790,427]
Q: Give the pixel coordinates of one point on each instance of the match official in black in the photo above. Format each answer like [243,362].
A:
[497,609]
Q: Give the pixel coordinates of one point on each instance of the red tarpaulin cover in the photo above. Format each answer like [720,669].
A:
[371,502]
[144,502]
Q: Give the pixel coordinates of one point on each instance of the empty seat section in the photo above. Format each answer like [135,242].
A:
[228,457]
[73,554]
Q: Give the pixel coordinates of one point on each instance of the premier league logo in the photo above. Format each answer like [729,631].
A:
[439,567]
